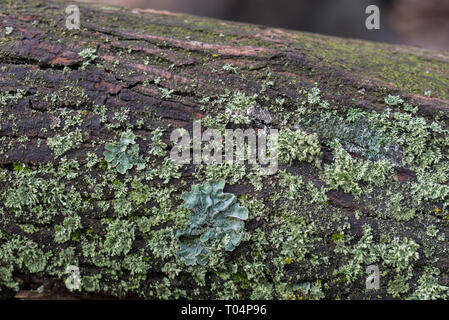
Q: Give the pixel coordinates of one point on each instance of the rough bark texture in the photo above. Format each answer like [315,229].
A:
[377,196]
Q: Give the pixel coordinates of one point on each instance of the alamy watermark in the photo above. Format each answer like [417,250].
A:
[73,282]
[373,279]
[372,22]
[72,21]
[233,146]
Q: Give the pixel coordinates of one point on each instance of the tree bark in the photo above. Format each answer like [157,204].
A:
[64,205]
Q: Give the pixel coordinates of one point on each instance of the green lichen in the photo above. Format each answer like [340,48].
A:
[64,232]
[230,68]
[348,173]
[398,254]
[6,97]
[230,172]
[157,146]
[310,291]
[428,286]
[215,217]
[393,100]
[294,241]
[119,237]
[8,30]
[88,55]
[166,93]
[61,144]
[292,183]
[354,133]
[21,251]
[298,145]
[399,285]
[237,107]
[124,154]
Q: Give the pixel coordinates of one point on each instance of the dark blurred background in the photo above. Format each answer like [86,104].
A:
[423,23]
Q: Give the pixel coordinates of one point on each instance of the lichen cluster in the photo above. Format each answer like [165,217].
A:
[124,154]
[216,217]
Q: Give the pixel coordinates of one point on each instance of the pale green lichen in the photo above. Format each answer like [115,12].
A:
[215,216]
[237,107]
[293,241]
[88,55]
[399,285]
[23,252]
[292,183]
[398,254]
[157,146]
[166,93]
[348,173]
[61,144]
[7,97]
[119,237]
[354,133]
[314,96]
[64,232]
[298,145]
[393,100]
[8,30]
[232,173]
[124,154]
[428,286]
[230,68]
[395,208]
[310,291]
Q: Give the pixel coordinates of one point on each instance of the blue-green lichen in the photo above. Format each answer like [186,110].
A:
[124,154]
[215,216]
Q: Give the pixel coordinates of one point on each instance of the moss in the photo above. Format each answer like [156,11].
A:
[336,237]
[407,71]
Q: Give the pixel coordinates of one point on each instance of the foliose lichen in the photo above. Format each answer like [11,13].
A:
[215,217]
[124,154]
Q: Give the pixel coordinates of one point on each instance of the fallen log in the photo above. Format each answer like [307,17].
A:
[93,204]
